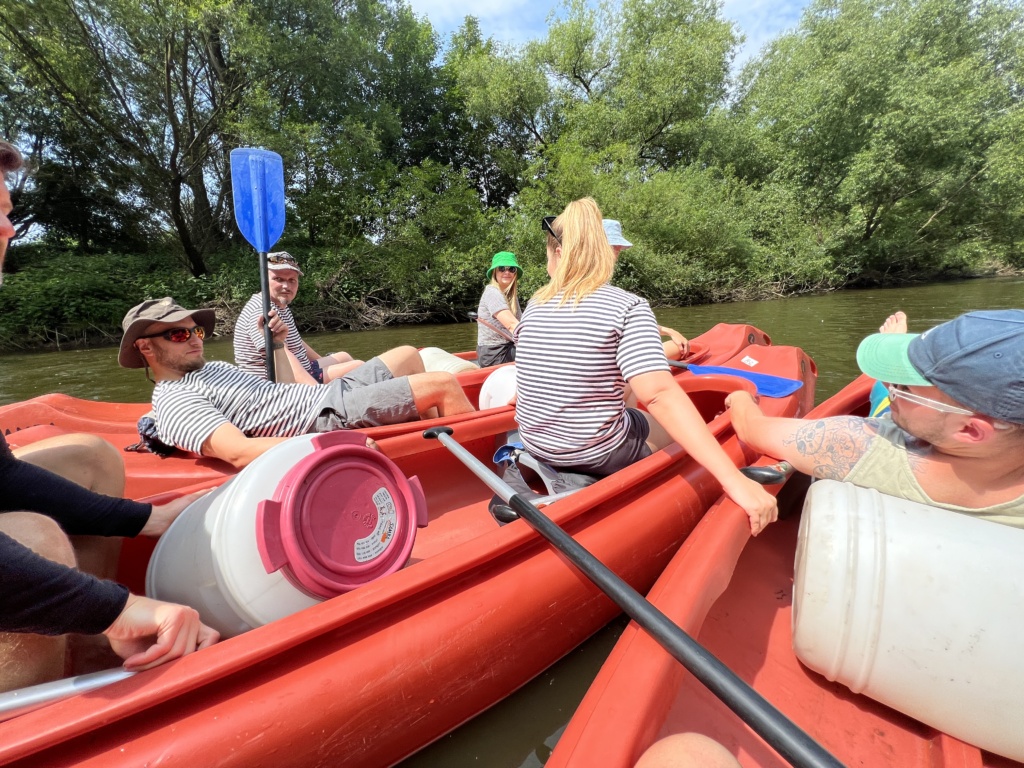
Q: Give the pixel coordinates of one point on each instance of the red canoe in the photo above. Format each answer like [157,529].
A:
[56,414]
[734,596]
[371,676]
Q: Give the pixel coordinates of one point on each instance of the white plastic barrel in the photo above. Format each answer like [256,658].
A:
[437,359]
[314,517]
[919,608]
[498,388]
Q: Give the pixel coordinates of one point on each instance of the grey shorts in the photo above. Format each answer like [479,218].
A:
[367,396]
[632,449]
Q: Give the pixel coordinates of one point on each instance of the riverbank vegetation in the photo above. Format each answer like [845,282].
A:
[877,142]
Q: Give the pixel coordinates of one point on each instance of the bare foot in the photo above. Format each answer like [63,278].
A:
[894,323]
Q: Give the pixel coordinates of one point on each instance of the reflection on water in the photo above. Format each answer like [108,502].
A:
[522,730]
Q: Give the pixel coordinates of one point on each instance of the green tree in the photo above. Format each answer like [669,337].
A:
[887,117]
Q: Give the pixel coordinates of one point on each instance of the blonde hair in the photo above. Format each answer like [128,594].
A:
[587,260]
[511,293]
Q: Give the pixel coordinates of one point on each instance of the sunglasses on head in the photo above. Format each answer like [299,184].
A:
[279,259]
[178,335]
[547,224]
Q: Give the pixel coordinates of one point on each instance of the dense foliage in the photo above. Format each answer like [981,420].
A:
[876,142]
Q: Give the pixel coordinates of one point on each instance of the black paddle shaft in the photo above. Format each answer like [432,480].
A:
[788,739]
[268,335]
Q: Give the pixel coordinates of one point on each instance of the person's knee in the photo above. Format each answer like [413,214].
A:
[104,456]
[687,750]
[41,534]
[85,459]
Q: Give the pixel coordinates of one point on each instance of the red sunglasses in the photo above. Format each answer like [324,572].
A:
[178,335]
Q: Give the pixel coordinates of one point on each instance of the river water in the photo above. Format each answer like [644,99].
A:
[521,731]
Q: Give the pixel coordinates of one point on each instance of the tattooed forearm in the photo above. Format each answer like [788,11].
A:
[834,445]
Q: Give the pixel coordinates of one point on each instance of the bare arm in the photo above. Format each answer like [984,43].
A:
[507,319]
[827,448]
[674,411]
[229,444]
[311,353]
[677,339]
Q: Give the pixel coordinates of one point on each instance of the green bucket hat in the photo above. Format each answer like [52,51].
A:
[504,259]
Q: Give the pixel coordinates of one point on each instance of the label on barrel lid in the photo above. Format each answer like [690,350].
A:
[375,544]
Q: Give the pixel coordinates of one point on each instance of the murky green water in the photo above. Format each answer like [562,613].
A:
[828,327]
[522,730]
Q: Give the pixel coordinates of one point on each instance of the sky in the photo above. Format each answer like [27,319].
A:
[517,21]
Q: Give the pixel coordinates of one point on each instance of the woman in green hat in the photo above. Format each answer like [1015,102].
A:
[498,312]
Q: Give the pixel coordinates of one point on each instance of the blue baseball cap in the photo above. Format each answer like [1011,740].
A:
[977,359]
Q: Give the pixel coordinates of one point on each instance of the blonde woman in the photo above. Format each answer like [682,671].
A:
[580,341]
[498,313]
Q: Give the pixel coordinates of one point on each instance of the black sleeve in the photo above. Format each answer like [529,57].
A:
[43,597]
[26,487]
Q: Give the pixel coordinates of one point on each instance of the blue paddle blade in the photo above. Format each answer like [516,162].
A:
[257,184]
[766,384]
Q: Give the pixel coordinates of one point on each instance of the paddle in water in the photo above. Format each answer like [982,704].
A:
[257,185]
[789,740]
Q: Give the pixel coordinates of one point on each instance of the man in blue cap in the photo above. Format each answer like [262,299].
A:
[955,438]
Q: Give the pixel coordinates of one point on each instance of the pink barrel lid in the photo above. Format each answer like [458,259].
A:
[341,517]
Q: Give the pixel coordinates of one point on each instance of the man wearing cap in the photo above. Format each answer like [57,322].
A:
[678,346]
[283,277]
[71,485]
[216,409]
[956,435]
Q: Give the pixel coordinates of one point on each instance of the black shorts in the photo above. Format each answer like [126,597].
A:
[630,451]
[486,356]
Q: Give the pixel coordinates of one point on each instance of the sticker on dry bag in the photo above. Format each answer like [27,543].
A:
[376,542]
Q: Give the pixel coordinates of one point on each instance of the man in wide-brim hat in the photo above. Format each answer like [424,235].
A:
[216,409]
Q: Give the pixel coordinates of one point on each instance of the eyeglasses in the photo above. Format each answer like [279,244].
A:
[179,335]
[506,269]
[546,225]
[282,258]
[896,392]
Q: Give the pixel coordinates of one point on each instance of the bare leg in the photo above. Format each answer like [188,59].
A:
[894,323]
[27,659]
[92,463]
[657,437]
[440,391]
[403,361]
[337,370]
[687,750]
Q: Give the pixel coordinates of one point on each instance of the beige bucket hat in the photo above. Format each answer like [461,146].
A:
[141,316]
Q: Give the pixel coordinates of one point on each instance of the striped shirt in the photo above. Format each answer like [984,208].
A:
[572,365]
[249,342]
[191,409]
[492,302]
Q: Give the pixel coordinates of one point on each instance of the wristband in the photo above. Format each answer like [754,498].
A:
[277,346]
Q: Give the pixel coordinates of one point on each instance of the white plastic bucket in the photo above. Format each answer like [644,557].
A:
[314,517]
[498,388]
[917,607]
[437,359]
